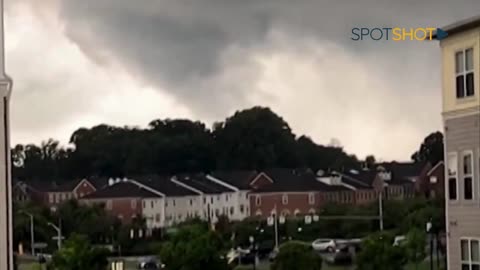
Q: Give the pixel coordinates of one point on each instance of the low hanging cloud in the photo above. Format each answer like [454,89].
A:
[127,62]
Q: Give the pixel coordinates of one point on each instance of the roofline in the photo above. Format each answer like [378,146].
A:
[220,182]
[434,167]
[174,180]
[145,187]
[360,182]
[81,181]
[460,26]
[258,177]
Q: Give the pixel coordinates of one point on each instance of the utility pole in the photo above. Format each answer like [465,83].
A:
[6,217]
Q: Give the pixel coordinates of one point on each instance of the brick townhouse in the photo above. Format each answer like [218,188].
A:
[290,192]
[122,199]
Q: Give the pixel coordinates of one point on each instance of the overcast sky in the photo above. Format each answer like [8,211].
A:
[78,63]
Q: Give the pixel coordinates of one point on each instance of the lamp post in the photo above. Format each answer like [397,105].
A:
[59,236]
[254,249]
[32,231]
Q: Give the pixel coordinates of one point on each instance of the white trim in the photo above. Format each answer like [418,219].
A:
[258,177]
[434,167]
[145,187]
[458,193]
[79,184]
[174,180]
[471,175]
[349,186]
[220,182]
[464,72]
[469,245]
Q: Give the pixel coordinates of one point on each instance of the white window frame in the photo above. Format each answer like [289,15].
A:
[469,262]
[471,175]
[464,72]
[109,205]
[133,204]
[285,199]
[311,198]
[455,155]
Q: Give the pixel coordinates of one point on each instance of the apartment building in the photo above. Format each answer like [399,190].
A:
[460,52]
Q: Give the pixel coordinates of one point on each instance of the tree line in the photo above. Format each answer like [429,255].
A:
[254,138]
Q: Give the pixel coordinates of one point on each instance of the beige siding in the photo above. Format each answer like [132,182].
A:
[463,134]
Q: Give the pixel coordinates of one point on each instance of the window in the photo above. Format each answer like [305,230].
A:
[242,208]
[258,200]
[470,254]
[157,217]
[173,202]
[226,197]
[464,73]
[191,202]
[211,200]
[285,199]
[144,204]
[452,175]
[133,204]
[151,204]
[232,211]
[311,198]
[433,180]
[109,205]
[50,198]
[468,175]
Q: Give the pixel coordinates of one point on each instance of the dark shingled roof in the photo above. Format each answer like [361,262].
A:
[359,178]
[461,26]
[291,180]
[201,183]
[52,186]
[404,172]
[121,190]
[238,179]
[164,185]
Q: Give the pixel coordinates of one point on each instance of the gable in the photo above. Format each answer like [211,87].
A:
[261,180]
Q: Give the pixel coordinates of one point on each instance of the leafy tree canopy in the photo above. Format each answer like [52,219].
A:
[295,255]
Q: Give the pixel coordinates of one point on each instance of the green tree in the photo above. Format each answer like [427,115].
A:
[378,253]
[193,247]
[416,240]
[431,149]
[79,254]
[295,255]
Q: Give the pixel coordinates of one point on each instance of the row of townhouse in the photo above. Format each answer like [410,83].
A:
[164,201]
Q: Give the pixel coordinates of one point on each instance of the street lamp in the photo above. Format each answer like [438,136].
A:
[32,231]
[59,234]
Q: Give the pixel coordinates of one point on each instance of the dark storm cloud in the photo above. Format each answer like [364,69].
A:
[179,44]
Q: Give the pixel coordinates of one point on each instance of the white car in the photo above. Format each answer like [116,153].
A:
[324,245]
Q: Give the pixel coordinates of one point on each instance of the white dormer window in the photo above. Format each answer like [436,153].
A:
[285,199]
[464,73]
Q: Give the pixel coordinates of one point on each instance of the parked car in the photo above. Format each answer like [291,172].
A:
[328,245]
[150,264]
